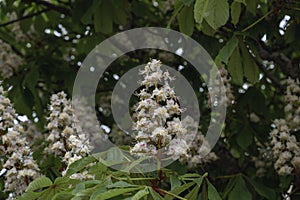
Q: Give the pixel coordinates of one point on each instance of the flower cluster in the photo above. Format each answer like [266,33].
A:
[157,115]
[199,149]
[118,137]
[18,162]
[264,159]
[222,79]
[66,138]
[227,83]
[9,60]
[285,148]
[292,107]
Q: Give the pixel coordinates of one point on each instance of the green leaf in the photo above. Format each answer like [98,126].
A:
[62,196]
[179,190]
[186,20]
[235,12]
[39,183]
[187,2]
[120,184]
[262,189]
[251,71]
[193,195]
[29,196]
[193,175]
[207,29]
[115,192]
[226,51]
[119,11]
[199,181]
[245,137]
[79,165]
[199,10]
[212,192]
[175,182]
[140,194]
[241,1]
[103,18]
[240,190]
[217,13]
[235,67]
[154,194]
[251,6]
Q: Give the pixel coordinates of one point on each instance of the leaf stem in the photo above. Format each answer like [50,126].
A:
[171,194]
[257,21]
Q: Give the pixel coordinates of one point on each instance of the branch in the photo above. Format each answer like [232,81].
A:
[289,67]
[52,6]
[24,17]
[274,80]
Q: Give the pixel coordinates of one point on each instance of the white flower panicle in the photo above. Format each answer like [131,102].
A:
[215,91]
[9,60]
[157,115]
[18,161]
[285,148]
[199,149]
[292,107]
[66,138]
[228,88]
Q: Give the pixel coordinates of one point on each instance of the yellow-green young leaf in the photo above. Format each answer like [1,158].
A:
[199,10]
[226,51]
[251,71]
[115,192]
[103,18]
[193,195]
[235,67]
[175,182]
[179,190]
[186,20]
[240,190]
[217,13]
[154,194]
[39,183]
[29,196]
[212,192]
[235,12]
[140,194]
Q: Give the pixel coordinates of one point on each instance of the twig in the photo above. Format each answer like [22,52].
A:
[52,6]
[257,21]
[269,75]
[24,17]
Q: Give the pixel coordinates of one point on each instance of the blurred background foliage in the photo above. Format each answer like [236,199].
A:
[256,41]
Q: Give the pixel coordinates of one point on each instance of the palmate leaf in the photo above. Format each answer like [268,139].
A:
[199,10]
[240,190]
[226,51]
[212,192]
[217,13]
[186,20]
[116,192]
[38,184]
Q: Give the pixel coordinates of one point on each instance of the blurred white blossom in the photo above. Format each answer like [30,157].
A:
[20,166]
[9,60]
[66,138]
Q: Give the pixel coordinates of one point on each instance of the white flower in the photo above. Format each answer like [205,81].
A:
[66,138]
[157,105]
